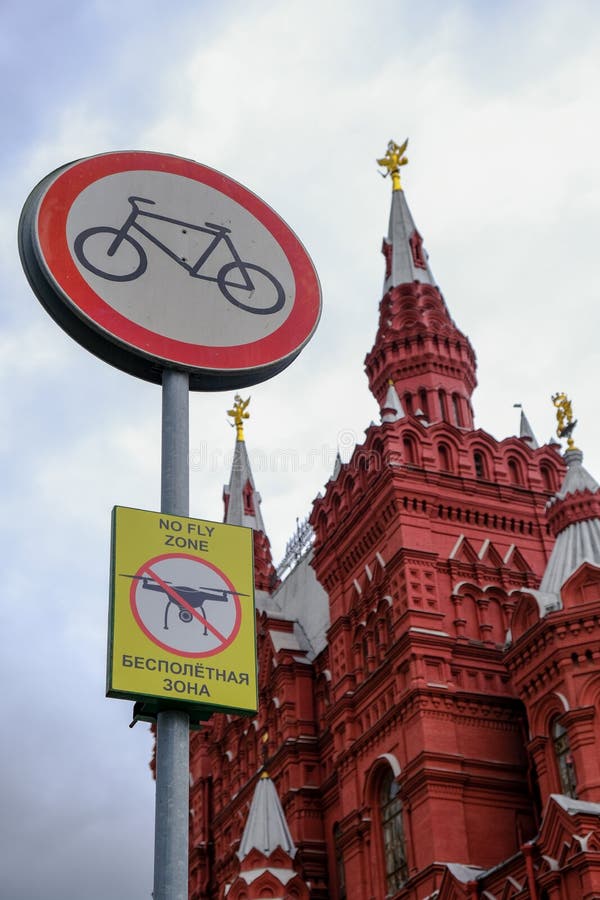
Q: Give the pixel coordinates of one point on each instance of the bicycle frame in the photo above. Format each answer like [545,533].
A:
[219,233]
[270,292]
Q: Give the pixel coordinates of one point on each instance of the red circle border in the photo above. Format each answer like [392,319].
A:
[151,637]
[51,232]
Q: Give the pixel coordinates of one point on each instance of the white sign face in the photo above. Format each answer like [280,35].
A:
[153,261]
[182,257]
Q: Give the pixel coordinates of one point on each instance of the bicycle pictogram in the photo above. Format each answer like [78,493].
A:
[113,254]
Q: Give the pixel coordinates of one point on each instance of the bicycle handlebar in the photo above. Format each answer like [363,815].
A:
[132,200]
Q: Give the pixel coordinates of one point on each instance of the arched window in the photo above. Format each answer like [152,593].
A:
[456,410]
[514,471]
[564,759]
[366,652]
[408,404]
[410,450]
[410,455]
[248,495]
[547,479]
[382,631]
[479,463]
[339,862]
[443,404]
[423,402]
[394,847]
[416,246]
[444,458]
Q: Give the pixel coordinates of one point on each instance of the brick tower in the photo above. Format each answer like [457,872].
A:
[423,543]
[429,665]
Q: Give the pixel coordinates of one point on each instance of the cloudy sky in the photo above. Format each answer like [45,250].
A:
[295,100]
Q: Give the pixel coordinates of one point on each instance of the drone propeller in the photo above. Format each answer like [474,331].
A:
[213,590]
[142,578]
[222,591]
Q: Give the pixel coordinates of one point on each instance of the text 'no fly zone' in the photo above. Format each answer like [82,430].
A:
[188,536]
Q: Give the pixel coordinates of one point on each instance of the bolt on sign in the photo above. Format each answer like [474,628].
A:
[182,620]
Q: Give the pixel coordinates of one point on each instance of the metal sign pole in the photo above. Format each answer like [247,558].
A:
[226,346]
[172,734]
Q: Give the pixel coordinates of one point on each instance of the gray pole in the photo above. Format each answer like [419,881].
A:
[172,733]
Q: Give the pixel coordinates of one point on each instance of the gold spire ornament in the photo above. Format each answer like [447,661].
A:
[265,752]
[564,417]
[393,159]
[238,414]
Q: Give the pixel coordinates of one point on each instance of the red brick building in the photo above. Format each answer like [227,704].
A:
[429,666]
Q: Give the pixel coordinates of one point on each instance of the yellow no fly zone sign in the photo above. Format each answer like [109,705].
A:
[182,623]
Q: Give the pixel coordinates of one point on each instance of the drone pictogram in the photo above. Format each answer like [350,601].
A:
[207,605]
[186,599]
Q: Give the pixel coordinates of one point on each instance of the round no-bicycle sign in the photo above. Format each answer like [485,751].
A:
[186,605]
[152,261]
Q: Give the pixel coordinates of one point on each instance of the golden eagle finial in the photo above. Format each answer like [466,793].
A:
[393,159]
[564,417]
[238,414]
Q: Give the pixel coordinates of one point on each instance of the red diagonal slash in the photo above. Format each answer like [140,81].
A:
[181,602]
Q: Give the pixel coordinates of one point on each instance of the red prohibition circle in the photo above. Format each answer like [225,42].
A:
[51,234]
[238,607]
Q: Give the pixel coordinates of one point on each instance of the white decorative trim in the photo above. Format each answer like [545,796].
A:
[484,548]
[392,760]
[563,700]
[456,547]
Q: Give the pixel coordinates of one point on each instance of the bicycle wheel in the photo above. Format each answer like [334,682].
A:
[127,263]
[262,296]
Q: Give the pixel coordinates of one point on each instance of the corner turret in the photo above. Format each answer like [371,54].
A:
[267,851]
[417,347]
[552,654]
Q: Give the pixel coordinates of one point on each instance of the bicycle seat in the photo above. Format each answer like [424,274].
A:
[218,227]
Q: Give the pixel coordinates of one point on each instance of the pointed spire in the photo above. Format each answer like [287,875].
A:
[242,502]
[337,466]
[266,828]
[418,346]
[406,259]
[525,430]
[391,410]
